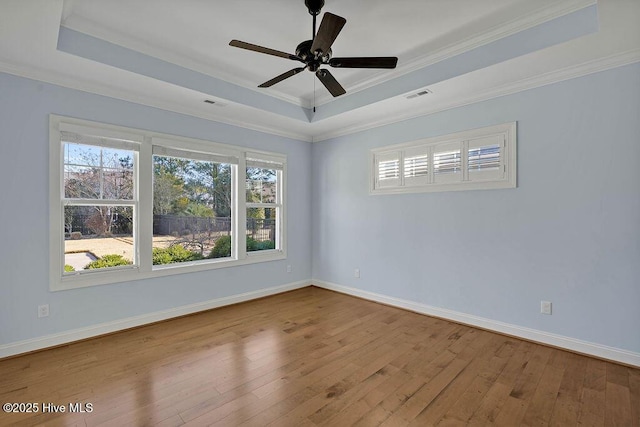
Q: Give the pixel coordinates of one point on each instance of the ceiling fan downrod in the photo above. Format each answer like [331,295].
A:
[314,7]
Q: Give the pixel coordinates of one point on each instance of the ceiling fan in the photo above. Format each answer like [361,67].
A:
[317,52]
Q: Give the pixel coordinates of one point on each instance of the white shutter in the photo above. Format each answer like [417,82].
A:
[476,159]
[447,162]
[486,158]
[387,167]
[416,166]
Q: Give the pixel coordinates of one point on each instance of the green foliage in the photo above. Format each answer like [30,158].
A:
[222,248]
[107,261]
[191,187]
[251,244]
[195,209]
[256,245]
[256,213]
[267,244]
[68,268]
[174,253]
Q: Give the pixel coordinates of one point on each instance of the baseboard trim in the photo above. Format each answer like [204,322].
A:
[54,340]
[584,347]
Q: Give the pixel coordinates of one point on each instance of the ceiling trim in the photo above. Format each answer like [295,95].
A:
[489,36]
[144,99]
[586,68]
[97,30]
[551,33]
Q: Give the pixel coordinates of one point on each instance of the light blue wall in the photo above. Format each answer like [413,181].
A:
[569,233]
[25,106]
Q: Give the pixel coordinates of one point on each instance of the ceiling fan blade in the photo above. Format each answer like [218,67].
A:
[329,29]
[282,76]
[365,62]
[261,49]
[330,83]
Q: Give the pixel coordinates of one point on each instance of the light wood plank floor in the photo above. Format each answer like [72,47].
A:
[312,357]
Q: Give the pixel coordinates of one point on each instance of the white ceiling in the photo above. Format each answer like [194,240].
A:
[194,34]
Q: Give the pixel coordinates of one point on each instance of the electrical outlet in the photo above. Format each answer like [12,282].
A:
[288,269]
[43,310]
[356,273]
[545,307]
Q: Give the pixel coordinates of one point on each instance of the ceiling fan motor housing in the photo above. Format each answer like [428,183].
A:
[303,51]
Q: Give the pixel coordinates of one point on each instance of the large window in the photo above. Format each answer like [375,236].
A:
[472,160]
[129,204]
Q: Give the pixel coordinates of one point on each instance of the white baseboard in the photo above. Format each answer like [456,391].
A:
[53,340]
[579,346]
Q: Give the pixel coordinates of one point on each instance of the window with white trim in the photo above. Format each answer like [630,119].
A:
[263,203]
[477,159]
[129,204]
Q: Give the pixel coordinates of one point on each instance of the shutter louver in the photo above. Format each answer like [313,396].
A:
[388,169]
[416,166]
[447,162]
[486,158]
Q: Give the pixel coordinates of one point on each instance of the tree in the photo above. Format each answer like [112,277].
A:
[96,173]
[166,189]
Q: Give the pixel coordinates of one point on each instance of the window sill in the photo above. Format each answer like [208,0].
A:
[95,278]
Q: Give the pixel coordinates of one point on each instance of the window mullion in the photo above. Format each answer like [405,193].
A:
[465,160]
[143,191]
[239,228]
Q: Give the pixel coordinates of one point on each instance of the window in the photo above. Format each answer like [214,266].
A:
[192,209]
[263,204]
[128,204]
[477,159]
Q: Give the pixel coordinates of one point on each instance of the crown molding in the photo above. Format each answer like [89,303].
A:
[567,73]
[60,79]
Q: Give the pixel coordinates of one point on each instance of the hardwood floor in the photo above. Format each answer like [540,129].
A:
[312,357]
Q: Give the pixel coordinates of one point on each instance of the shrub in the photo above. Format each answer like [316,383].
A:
[256,245]
[161,256]
[112,260]
[222,248]
[68,268]
[252,244]
[267,244]
[174,253]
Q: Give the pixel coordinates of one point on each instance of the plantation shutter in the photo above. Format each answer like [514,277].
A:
[387,167]
[447,162]
[486,158]
[416,166]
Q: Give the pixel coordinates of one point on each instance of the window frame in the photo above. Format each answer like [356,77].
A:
[277,163]
[432,182]
[143,195]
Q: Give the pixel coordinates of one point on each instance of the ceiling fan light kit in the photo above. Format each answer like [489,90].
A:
[317,52]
